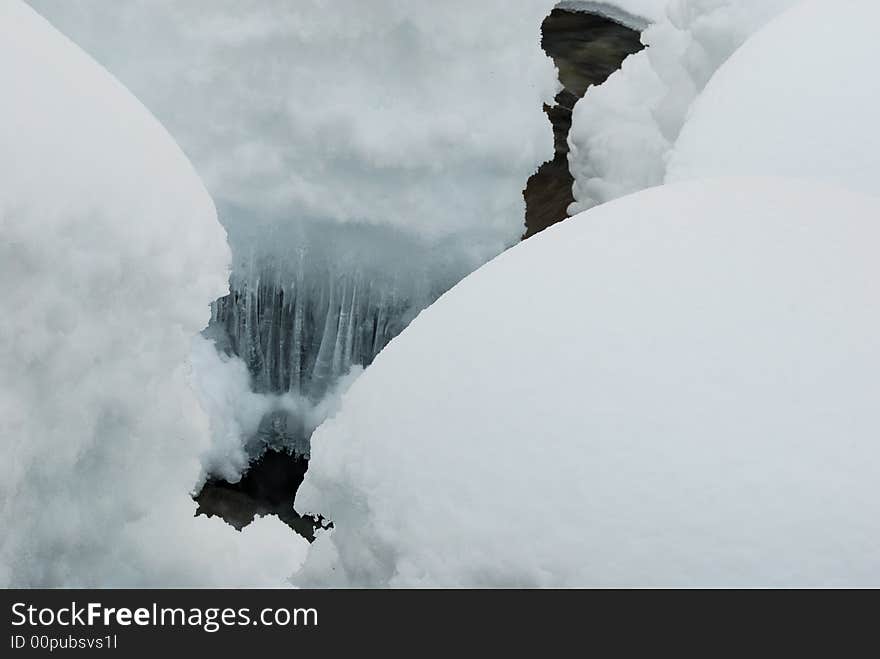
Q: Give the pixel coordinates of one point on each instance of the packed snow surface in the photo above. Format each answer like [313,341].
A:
[623,130]
[110,255]
[800,98]
[686,395]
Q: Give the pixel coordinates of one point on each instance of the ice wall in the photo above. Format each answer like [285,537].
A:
[327,298]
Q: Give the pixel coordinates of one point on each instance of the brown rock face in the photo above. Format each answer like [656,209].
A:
[586,49]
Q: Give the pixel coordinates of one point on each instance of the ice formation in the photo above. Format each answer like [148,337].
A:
[800,98]
[360,155]
[111,255]
[622,131]
[326,297]
[686,396]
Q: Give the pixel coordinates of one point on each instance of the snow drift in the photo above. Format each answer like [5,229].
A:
[111,254]
[800,98]
[687,396]
[622,131]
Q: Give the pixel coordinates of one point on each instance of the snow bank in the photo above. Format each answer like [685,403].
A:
[622,131]
[685,396]
[111,254]
[383,112]
[800,98]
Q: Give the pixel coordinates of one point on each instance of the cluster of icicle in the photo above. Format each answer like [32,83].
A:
[301,335]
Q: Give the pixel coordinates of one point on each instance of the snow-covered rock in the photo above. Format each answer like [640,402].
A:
[800,98]
[110,253]
[636,14]
[622,131]
[686,396]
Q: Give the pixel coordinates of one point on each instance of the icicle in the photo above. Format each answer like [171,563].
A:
[324,361]
[349,331]
[341,327]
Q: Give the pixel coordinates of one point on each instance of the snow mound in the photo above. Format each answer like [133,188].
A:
[622,131]
[800,98]
[686,395]
[111,254]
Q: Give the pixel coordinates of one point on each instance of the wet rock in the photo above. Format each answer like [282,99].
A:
[586,49]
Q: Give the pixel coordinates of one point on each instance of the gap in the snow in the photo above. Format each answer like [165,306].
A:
[267,488]
[586,48]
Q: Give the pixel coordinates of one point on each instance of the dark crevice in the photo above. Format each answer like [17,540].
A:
[268,488]
[586,49]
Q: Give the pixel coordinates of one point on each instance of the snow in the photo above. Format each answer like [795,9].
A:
[387,113]
[360,155]
[800,99]
[111,254]
[636,14]
[244,423]
[675,388]
[623,130]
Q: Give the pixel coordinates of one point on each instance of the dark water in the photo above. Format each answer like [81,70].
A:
[268,488]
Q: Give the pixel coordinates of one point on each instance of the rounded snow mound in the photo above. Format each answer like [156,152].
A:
[675,388]
[623,130]
[800,98]
[110,256]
